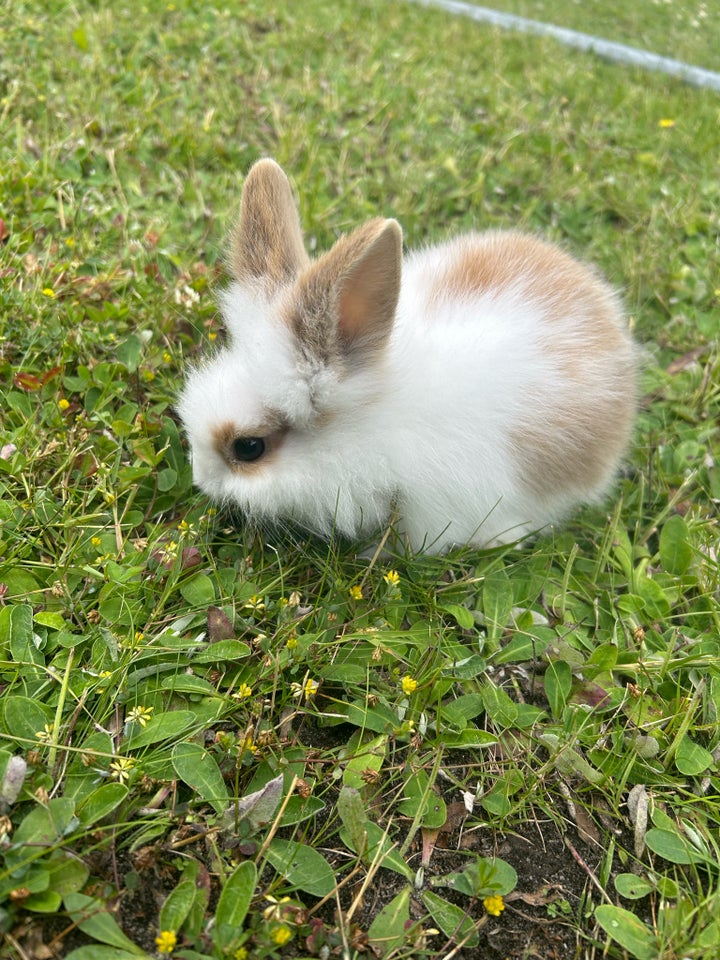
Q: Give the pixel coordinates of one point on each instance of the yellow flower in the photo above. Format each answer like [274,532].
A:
[167,357]
[311,688]
[408,684]
[241,954]
[243,691]
[96,542]
[48,292]
[63,403]
[275,910]
[291,642]
[140,715]
[494,905]
[392,578]
[665,123]
[281,935]
[255,603]
[356,592]
[46,735]
[166,942]
[120,770]
[212,336]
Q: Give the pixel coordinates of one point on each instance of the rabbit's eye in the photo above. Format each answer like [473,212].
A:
[247,449]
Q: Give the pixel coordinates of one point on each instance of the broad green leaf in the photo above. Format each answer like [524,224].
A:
[497,602]
[525,646]
[457,712]
[676,552]
[672,846]
[459,613]
[632,887]
[24,646]
[48,901]
[199,590]
[221,651]
[368,756]
[470,737]
[235,900]
[298,809]
[656,602]
[67,875]
[558,682]
[93,918]
[691,759]
[604,657]
[353,814]
[51,619]
[302,867]
[199,770]
[163,726]
[101,802]
[420,800]
[380,850]
[627,930]
[454,922]
[177,906]
[96,952]
[498,705]
[41,828]
[388,930]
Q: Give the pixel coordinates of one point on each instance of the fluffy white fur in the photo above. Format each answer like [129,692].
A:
[476,387]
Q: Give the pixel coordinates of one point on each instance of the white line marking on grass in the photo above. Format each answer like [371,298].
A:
[583,41]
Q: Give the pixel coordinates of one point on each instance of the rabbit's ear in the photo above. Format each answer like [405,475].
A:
[267,242]
[368,293]
[345,302]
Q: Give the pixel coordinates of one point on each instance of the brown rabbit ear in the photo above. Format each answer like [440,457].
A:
[267,242]
[346,301]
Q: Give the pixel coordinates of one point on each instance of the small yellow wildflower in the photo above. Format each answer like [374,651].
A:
[70,242]
[167,357]
[96,542]
[281,935]
[408,684]
[148,376]
[166,942]
[241,954]
[275,910]
[46,734]
[120,770]
[494,905]
[255,603]
[109,498]
[311,688]
[666,123]
[48,292]
[291,642]
[140,715]
[243,691]
[63,403]
[356,592]
[392,578]
[139,636]
[212,336]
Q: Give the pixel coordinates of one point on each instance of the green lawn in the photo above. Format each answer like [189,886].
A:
[500,754]
[685,30]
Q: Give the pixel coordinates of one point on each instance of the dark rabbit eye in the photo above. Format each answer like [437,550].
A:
[247,449]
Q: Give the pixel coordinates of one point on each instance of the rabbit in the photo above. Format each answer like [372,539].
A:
[477,392]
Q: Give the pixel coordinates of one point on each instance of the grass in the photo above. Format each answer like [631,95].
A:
[198,723]
[683,29]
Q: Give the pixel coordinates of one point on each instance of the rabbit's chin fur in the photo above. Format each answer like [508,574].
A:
[499,398]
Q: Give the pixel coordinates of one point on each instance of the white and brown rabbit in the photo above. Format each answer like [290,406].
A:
[480,390]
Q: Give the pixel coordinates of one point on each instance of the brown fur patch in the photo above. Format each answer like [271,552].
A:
[576,446]
[539,271]
[225,434]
